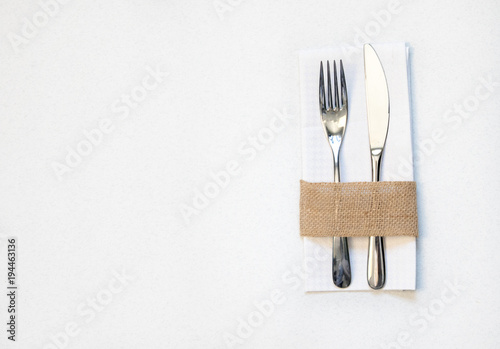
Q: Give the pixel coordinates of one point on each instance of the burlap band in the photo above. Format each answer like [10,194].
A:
[358,209]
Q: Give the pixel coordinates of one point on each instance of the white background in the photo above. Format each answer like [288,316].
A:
[196,283]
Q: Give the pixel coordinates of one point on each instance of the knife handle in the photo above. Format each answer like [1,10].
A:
[376,262]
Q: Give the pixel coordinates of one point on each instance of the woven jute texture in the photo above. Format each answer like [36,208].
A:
[358,209]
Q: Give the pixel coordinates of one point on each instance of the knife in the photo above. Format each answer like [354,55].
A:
[377,104]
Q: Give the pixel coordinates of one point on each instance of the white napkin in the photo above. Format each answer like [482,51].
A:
[355,165]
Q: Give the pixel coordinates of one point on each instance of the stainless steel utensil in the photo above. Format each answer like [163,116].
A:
[334,119]
[377,104]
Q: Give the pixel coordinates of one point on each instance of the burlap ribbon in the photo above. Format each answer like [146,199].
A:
[358,209]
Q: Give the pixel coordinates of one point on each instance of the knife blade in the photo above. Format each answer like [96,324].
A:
[378,111]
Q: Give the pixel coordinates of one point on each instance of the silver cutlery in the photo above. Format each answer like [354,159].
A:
[377,104]
[334,119]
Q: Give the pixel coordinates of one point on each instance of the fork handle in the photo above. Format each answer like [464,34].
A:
[341,265]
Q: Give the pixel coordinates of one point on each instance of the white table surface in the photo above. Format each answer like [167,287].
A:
[105,257]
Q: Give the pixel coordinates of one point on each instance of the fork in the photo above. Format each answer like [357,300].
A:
[334,119]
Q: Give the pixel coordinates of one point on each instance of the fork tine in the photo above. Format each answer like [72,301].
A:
[335,85]
[322,105]
[343,86]
[329,81]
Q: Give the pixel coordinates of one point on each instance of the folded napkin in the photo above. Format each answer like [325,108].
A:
[355,160]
